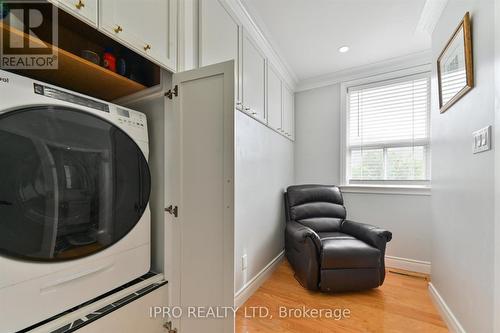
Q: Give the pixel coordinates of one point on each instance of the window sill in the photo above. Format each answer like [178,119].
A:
[387,189]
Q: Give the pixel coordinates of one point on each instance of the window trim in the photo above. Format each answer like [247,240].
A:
[382,186]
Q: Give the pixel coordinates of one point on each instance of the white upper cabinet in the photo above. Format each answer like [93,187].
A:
[147,26]
[274,99]
[288,113]
[218,37]
[86,10]
[254,79]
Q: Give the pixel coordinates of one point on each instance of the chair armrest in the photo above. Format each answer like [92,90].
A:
[299,233]
[369,234]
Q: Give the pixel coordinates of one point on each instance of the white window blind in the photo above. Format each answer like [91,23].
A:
[388,131]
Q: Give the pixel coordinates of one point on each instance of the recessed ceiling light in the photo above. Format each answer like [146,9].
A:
[344,49]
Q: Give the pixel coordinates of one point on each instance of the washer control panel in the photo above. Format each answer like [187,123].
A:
[65,96]
[131,118]
[125,117]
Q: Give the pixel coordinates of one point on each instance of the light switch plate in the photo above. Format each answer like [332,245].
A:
[481,140]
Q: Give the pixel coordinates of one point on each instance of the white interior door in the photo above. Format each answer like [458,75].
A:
[203,233]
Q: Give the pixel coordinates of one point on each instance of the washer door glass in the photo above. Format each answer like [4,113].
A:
[71,184]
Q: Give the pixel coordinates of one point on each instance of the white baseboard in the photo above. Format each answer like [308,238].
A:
[448,316]
[251,286]
[411,265]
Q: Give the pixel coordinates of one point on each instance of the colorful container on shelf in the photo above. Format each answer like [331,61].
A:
[109,60]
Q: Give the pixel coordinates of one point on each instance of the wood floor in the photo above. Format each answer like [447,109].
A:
[402,304]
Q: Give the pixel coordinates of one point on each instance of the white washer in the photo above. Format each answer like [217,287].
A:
[74,192]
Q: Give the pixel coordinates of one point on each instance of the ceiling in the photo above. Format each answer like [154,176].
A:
[308,33]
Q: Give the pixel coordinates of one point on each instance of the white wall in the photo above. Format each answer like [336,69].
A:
[317,135]
[264,168]
[317,160]
[406,216]
[463,183]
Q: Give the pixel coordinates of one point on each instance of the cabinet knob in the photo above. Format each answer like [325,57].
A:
[118,29]
[247,108]
[147,47]
[80,4]
[254,113]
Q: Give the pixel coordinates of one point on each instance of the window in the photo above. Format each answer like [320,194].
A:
[387,132]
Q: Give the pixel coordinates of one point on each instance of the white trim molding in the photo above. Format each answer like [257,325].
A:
[410,265]
[453,324]
[430,16]
[383,67]
[251,286]
[387,189]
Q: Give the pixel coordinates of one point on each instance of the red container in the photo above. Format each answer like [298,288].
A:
[109,61]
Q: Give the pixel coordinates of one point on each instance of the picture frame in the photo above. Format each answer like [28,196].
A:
[455,66]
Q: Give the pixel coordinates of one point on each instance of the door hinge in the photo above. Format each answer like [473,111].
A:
[172,210]
[168,326]
[172,92]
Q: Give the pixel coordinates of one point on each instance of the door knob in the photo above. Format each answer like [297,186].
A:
[80,4]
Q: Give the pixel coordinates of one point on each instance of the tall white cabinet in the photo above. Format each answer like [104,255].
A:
[219,35]
[200,157]
[254,79]
[274,99]
[260,90]
[192,161]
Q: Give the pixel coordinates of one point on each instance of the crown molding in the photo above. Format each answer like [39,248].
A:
[390,65]
[430,16]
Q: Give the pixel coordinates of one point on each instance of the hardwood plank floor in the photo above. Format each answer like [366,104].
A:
[402,304]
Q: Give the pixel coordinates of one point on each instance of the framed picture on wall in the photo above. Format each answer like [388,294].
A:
[455,67]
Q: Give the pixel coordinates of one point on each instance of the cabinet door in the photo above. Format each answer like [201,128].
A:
[218,37]
[254,79]
[86,10]
[288,113]
[201,150]
[274,99]
[148,26]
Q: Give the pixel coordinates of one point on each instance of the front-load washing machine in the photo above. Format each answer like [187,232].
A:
[74,192]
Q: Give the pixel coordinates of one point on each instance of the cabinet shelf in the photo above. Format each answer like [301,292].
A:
[78,74]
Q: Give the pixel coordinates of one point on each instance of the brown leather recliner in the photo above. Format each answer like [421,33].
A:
[326,251]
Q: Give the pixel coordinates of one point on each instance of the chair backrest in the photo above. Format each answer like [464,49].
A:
[319,207]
